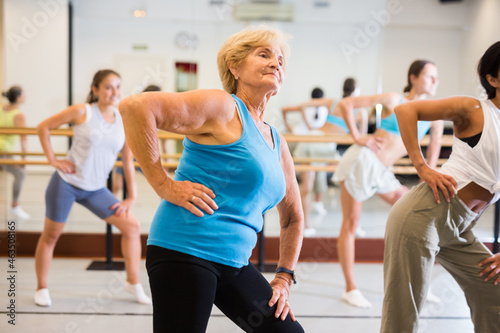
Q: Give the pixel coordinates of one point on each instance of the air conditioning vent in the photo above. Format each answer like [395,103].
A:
[264,12]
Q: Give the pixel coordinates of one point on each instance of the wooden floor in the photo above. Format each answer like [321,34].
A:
[95,302]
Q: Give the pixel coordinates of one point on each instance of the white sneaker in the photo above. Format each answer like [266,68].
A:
[319,208]
[138,292]
[356,298]
[309,232]
[20,213]
[360,232]
[42,297]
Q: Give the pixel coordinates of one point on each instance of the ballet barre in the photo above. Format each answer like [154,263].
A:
[402,166]
[447,140]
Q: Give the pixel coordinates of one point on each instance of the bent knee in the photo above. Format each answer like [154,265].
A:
[129,227]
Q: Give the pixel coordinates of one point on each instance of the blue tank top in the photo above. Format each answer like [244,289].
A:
[334,120]
[247,179]
[390,124]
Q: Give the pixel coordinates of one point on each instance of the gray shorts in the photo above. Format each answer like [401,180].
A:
[60,196]
[363,174]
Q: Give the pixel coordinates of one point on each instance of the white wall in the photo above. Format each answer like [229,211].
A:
[348,38]
[105,33]
[2,47]
[425,29]
[36,57]
[483,29]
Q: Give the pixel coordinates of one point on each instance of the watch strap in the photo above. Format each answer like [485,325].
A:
[285,270]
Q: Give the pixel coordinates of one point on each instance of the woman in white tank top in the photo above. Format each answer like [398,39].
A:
[81,177]
[434,220]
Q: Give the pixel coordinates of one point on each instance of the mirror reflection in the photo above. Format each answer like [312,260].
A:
[52,52]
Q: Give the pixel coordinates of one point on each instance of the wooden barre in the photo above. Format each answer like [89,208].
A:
[447,140]
[11,153]
[19,153]
[69,132]
[117,163]
[307,160]
[400,170]
[402,161]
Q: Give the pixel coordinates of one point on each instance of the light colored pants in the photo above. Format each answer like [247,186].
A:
[19,176]
[363,174]
[420,231]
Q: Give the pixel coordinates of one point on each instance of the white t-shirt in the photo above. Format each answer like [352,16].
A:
[95,147]
[316,117]
[479,164]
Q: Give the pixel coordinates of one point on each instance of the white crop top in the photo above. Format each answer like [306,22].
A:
[479,164]
[95,147]
[315,116]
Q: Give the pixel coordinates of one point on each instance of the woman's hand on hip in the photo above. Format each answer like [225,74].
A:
[64,165]
[372,142]
[492,268]
[438,181]
[196,198]
[281,293]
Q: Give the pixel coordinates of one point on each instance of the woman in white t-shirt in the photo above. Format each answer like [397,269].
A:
[434,221]
[98,137]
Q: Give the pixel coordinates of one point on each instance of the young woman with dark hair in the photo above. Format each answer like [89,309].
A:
[11,116]
[434,221]
[81,177]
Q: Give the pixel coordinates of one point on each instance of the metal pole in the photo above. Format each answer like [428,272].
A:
[109,231]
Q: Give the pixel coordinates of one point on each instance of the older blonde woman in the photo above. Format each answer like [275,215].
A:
[234,167]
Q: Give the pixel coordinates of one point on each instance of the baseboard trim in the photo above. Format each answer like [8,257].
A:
[92,245]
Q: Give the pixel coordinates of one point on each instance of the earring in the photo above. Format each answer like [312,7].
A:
[236,77]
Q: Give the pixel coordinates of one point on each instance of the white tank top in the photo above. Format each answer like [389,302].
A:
[316,117]
[95,147]
[479,164]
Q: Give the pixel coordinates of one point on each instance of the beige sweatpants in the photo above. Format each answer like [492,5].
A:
[420,231]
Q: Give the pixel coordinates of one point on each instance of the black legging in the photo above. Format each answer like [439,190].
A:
[185,287]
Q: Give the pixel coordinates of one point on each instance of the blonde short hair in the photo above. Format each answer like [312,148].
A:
[237,47]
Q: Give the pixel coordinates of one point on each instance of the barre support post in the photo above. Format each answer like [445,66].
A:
[109,264]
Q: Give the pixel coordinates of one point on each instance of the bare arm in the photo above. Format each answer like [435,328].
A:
[457,109]
[73,114]
[361,119]
[198,114]
[20,121]
[292,225]
[434,148]
[347,105]
[316,102]
[129,171]
[129,174]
